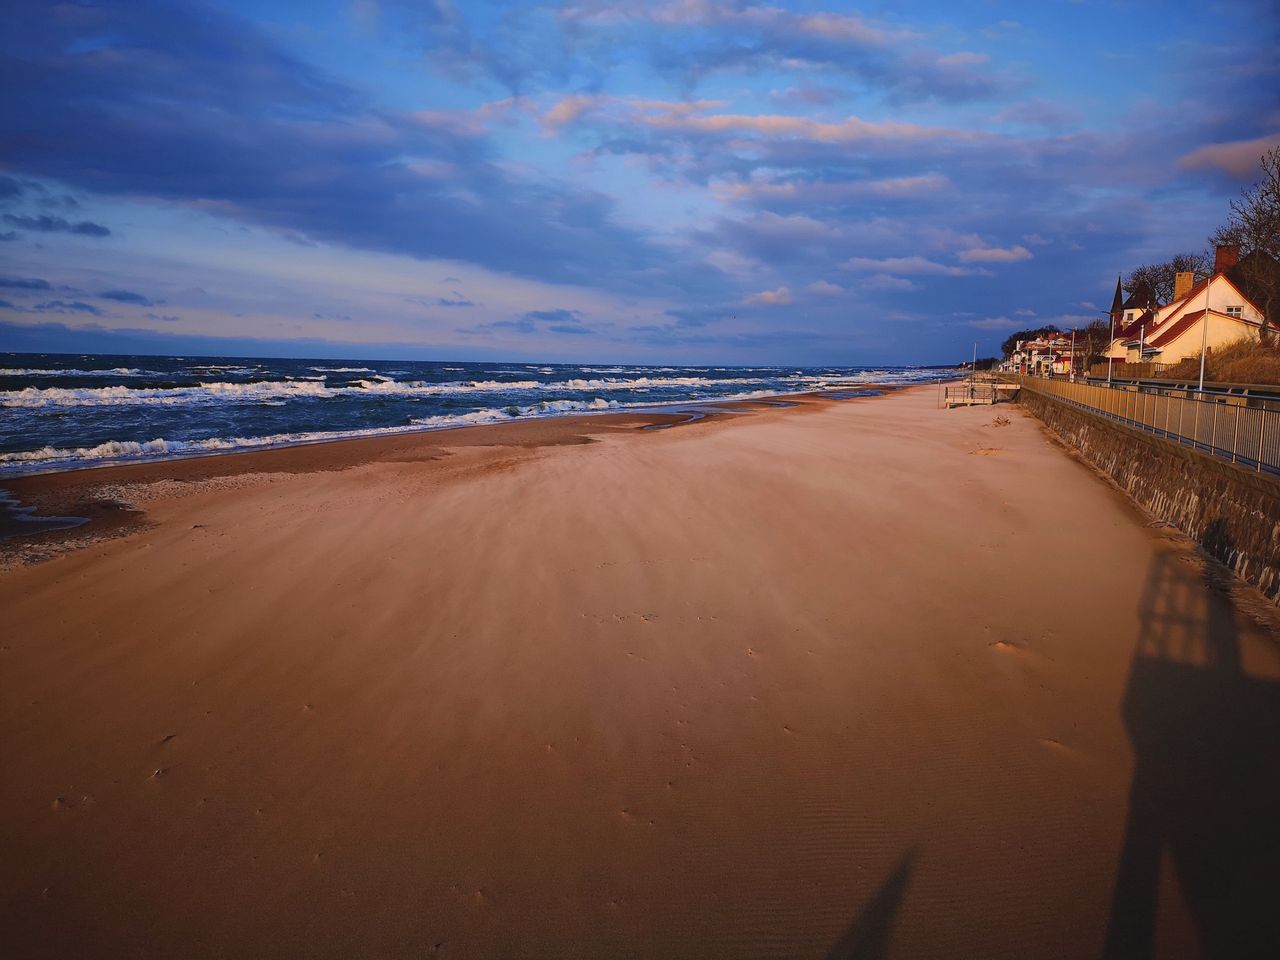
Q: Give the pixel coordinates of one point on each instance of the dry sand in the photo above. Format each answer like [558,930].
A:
[851,679]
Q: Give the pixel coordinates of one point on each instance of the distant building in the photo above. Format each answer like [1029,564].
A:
[1213,312]
[1047,353]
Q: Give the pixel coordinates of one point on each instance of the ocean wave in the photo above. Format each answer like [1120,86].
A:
[341,369]
[160,448]
[112,372]
[258,391]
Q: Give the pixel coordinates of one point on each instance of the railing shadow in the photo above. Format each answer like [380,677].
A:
[1206,781]
[868,937]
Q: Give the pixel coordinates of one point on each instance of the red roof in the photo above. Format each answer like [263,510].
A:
[1131,330]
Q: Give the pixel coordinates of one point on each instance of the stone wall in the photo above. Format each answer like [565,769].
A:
[1233,512]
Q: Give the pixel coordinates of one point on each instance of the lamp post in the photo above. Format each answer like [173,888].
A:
[1204,340]
[1111,349]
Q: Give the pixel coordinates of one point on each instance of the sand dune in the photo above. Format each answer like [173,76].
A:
[804,682]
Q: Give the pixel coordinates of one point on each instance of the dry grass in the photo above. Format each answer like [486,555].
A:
[1245,361]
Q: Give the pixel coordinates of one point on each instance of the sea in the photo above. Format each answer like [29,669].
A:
[60,411]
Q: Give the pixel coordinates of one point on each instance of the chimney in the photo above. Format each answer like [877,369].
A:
[1182,284]
[1225,256]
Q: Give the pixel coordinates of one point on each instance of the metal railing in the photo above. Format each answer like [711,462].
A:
[970,391]
[1240,429]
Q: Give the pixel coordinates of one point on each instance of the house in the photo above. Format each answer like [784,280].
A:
[1047,353]
[1212,312]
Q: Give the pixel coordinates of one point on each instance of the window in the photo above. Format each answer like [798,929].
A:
[1235,311]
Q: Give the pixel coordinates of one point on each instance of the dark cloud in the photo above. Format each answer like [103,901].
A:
[47,224]
[8,235]
[553,316]
[9,188]
[68,306]
[24,283]
[129,296]
[189,105]
[6,305]
[559,320]
[458,300]
[163,317]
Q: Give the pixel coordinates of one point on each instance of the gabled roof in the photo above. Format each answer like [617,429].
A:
[1131,329]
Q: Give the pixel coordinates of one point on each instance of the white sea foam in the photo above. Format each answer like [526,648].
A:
[159,448]
[341,369]
[256,392]
[112,372]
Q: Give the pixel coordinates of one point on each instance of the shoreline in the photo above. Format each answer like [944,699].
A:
[69,493]
[373,433]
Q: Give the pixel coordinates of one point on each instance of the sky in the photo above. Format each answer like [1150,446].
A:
[676,182]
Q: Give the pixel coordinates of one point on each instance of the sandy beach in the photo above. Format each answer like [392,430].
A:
[852,678]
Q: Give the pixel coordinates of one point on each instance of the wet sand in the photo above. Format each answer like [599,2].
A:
[855,678]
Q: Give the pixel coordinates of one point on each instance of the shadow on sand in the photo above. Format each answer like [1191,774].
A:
[868,937]
[1206,782]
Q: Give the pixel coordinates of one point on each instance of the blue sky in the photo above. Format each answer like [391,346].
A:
[671,182]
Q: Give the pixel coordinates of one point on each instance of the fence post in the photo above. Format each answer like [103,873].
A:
[1262,432]
[1213,430]
[1235,440]
[1195,437]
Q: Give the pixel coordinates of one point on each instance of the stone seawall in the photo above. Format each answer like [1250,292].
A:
[1233,512]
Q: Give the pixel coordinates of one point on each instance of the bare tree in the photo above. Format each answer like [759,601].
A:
[1160,277]
[1254,227]
[1092,343]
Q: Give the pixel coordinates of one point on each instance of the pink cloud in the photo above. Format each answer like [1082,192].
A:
[1239,158]
[826,191]
[772,298]
[777,125]
[964,58]
[824,289]
[905,265]
[995,254]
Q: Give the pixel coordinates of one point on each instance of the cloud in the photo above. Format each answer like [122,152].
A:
[808,95]
[68,306]
[129,296]
[886,282]
[828,191]
[824,288]
[995,254]
[24,283]
[47,224]
[905,265]
[1241,159]
[995,323]
[770,298]
[559,320]
[7,236]
[457,300]
[695,38]
[1024,312]
[200,108]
